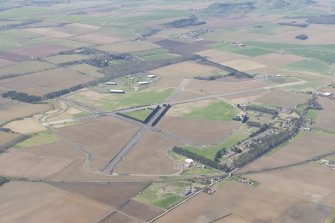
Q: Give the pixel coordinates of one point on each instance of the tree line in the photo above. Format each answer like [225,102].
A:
[201,159]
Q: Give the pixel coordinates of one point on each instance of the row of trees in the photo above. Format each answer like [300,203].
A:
[19,96]
[262,109]
[201,159]
[3,180]
[268,142]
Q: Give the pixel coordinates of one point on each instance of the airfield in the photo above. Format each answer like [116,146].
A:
[97,96]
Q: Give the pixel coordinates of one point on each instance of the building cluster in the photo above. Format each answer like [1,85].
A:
[245,181]
[150,78]
[196,35]
[327,163]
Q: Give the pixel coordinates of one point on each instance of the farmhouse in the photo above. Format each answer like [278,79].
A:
[113,91]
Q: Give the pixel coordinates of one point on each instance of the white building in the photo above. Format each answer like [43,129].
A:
[189,161]
[143,82]
[113,91]
[151,76]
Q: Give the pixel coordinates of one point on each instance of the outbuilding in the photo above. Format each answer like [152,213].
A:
[113,91]
[189,161]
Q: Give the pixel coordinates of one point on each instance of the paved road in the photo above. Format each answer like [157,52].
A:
[131,143]
[180,88]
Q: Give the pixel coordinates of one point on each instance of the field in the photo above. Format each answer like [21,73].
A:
[139,114]
[7,137]
[279,98]
[25,68]
[44,82]
[145,155]
[205,110]
[313,66]
[223,86]
[21,110]
[68,52]
[325,118]
[25,126]
[163,195]
[26,164]
[111,194]
[59,59]
[304,147]
[100,138]
[202,132]
[127,47]
[112,102]
[249,204]
[186,69]
[86,69]
[41,50]
[37,139]
[41,199]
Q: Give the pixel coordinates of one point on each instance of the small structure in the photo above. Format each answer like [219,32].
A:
[151,76]
[111,83]
[189,161]
[143,82]
[114,91]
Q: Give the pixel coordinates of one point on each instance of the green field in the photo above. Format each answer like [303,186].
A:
[37,139]
[163,195]
[111,102]
[216,110]
[310,66]
[211,151]
[155,54]
[59,59]
[140,114]
[253,52]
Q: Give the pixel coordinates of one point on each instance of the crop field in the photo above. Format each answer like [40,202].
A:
[253,52]
[186,69]
[140,211]
[41,199]
[72,54]
[313,66]
[25,68]
[98,38]
[16,163]
[280,98]
[201,132]
[87,69]
[145,155]
[41,50]
[44,82]
[111,194]
[99,138]
[223,86]
[128,47]
[244,65]
[21,110]
[248,203]
[325,118]
[305,146]
[59,59]
[7,137]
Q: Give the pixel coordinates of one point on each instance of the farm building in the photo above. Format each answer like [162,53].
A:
[143,82]
[189,161]
[112,91]
[151,76]
[111,83]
